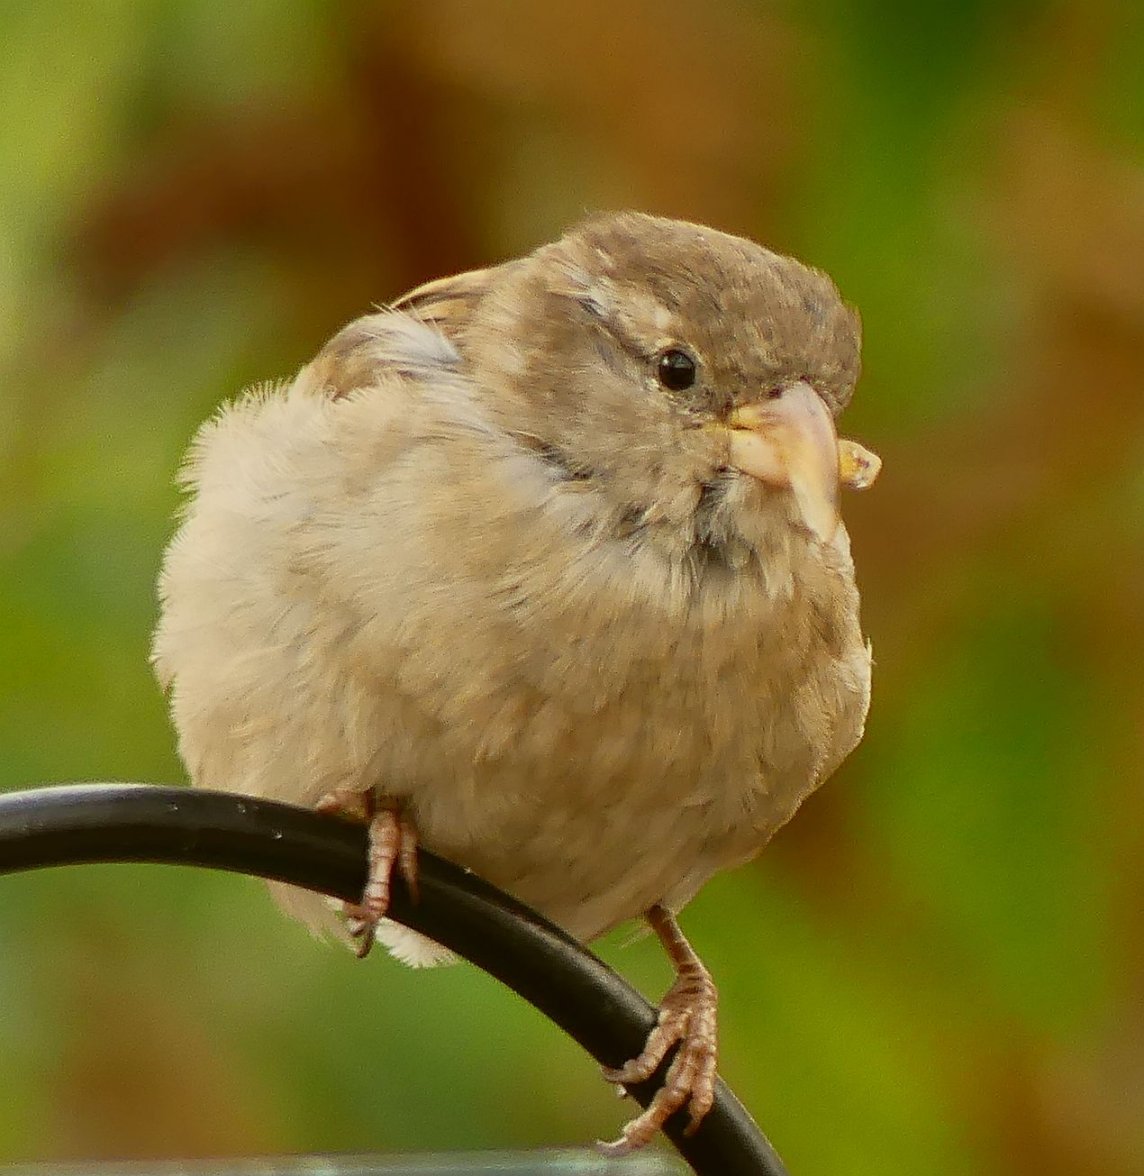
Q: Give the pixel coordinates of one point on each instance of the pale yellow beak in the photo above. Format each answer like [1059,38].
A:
[789,441]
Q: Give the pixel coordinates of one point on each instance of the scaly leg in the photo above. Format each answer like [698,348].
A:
[392,841]
[687,1015]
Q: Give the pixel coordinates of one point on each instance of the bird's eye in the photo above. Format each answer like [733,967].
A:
[676,369]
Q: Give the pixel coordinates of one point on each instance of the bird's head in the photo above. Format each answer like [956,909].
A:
[690,376]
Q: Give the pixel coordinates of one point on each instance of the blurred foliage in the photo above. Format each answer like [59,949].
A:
[939,966]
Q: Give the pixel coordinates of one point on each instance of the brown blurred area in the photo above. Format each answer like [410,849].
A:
[962,905]
[399,167]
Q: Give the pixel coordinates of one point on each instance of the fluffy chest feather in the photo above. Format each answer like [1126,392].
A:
[615,752]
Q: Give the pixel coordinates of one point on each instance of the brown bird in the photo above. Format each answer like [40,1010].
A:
[541,567]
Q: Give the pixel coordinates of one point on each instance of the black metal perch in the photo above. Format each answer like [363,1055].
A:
[82,823]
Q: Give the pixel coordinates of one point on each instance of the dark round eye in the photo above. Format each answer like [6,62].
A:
[676,369]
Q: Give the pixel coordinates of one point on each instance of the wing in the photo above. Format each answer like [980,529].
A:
[418,335]
[448,303]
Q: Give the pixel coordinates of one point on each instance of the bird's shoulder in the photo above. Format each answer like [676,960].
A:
[421,334]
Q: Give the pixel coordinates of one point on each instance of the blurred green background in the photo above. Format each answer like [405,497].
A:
[938,967]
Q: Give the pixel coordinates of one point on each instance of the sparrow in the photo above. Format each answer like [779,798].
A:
[540,567]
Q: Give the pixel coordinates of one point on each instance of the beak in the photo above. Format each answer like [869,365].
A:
[789,442]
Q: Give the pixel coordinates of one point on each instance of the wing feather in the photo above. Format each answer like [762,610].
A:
[420,334]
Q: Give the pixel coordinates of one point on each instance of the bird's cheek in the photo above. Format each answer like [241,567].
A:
[789,442]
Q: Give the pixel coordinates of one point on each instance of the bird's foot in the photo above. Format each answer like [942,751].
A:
[392,843]
[687,1016]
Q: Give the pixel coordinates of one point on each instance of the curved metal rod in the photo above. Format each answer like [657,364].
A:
[81,823]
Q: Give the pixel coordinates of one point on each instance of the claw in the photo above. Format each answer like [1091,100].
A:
[392,842]
[687,1018]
